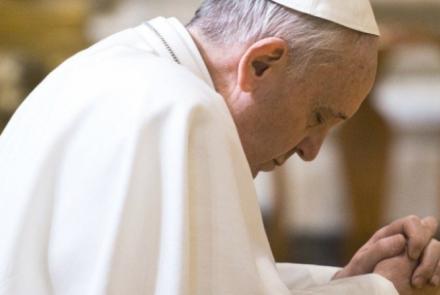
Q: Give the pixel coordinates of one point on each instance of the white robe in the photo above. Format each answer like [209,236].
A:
[123,173]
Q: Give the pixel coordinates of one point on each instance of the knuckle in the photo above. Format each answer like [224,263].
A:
[413,218]
[394,245]
[430,224]
[379,232]
[400,238]
[426,270]
[433,220]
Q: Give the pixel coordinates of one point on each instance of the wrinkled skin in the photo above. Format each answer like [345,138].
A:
[278,116]
[405,253]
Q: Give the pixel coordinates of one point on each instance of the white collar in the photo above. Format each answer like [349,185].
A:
[181,43]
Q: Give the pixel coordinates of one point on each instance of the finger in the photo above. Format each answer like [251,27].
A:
[394,228]
[419,233]
[367,258]
[419,236]
[431,224]
[435,280]
[429,261]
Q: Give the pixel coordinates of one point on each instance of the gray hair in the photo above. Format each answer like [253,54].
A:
[310,39]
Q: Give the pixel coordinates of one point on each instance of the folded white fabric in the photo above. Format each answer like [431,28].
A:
[354,14]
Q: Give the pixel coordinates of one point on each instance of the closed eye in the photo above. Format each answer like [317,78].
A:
[319,118]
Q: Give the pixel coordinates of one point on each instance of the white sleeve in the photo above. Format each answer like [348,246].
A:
[311,279]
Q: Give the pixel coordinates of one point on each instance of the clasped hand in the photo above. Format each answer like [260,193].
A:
[405,253]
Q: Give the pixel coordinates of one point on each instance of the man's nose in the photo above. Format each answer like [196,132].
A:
[309,148]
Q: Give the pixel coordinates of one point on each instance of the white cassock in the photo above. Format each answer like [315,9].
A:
[123,173]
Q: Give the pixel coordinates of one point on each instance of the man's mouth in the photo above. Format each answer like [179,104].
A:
[281,160]
[271,165]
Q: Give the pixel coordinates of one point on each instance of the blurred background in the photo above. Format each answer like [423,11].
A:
[382,165]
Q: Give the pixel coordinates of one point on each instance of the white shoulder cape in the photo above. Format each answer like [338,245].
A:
[123,173]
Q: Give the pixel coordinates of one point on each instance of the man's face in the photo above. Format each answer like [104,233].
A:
[295,117]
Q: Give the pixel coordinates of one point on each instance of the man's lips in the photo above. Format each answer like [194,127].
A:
[281,160]
[271,165]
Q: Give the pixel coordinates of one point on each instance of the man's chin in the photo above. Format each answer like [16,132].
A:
[266,167]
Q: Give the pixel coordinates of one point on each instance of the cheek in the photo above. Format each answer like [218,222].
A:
[280,127]
[286,137]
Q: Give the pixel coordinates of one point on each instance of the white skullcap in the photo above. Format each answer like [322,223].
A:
[354,14]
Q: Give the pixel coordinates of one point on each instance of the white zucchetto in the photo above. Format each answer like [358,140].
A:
[354,14]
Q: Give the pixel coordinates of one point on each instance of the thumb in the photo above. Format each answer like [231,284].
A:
[368,257]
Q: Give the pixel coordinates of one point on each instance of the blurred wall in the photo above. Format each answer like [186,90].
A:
[129,13]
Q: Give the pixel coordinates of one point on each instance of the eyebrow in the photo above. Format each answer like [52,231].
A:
[332,112]
[340,116]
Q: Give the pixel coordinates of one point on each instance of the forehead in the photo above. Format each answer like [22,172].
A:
[341,87]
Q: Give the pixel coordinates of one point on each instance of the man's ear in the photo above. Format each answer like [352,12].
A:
[260,61]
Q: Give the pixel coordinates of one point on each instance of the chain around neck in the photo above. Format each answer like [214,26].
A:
[165,43]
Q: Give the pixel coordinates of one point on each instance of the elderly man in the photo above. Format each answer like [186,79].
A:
[129,169]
